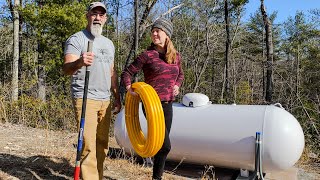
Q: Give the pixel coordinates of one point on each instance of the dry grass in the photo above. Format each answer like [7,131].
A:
[32,153]
[29,153]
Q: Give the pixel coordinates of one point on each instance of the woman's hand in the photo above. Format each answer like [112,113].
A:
[130,90]
[175,90]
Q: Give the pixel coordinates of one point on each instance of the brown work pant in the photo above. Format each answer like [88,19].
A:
[95,136]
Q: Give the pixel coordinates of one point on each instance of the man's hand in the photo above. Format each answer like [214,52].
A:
[117,106]
[73,62]
[86,58]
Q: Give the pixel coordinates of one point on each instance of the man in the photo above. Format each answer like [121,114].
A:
[103,78]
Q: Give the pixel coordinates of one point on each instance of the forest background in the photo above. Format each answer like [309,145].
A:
[229,60]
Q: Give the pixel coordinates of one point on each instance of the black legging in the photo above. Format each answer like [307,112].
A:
[161,156]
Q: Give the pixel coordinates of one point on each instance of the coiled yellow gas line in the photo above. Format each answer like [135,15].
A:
[145,147]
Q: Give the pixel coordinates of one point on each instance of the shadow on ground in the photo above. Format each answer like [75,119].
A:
[39,167]
[182,169]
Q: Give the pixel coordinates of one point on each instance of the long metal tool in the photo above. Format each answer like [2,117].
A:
[83,115]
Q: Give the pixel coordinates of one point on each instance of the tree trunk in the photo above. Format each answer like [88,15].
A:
[137,35]
[136,31]
[136,26]
[142,23]
[20,46]
[41,83]
[227,25]
[297,72]
[269,44]
[117,34]
[41,70]
[263,68]
[15,64]
[135,45]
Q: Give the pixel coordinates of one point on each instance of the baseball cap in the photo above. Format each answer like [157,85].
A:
[96,4]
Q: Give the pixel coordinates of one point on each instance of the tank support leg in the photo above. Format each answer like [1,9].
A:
[257,173]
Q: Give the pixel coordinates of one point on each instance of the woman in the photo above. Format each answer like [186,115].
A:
[161,65]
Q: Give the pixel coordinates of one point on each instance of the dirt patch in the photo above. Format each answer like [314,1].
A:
[31,153]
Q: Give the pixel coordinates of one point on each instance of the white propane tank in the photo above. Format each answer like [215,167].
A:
[224,135]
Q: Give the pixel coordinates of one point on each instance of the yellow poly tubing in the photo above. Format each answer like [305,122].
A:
[155,120]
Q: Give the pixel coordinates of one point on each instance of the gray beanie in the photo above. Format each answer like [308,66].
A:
[165,25]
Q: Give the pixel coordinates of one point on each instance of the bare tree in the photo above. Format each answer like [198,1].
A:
[228,42]
[147,9]
[15,64]
[136,26]
[269,44]
[117,4]
[41,68]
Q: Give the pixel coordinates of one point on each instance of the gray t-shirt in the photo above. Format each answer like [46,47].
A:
[100,71]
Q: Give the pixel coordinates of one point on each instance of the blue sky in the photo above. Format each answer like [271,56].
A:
[285,8]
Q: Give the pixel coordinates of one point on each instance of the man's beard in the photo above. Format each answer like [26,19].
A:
[96,29]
